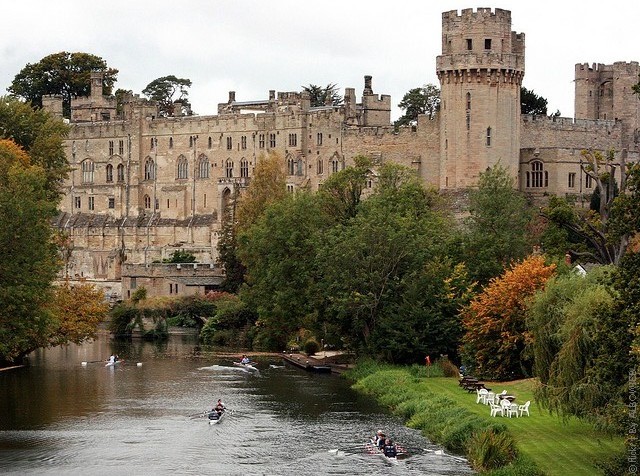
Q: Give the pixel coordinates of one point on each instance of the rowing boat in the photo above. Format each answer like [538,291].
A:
[112,363]
[246,366]
[215,417]
[373,449]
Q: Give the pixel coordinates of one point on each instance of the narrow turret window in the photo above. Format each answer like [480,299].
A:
[488,137]
[468,101]
[469,44]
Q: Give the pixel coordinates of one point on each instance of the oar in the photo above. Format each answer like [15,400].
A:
[201,414]
[91,362]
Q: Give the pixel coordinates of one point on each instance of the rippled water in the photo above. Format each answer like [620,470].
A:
[59,417]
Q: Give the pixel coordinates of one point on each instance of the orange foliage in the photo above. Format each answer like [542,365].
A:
[496,337]
[79,309]
[10,153]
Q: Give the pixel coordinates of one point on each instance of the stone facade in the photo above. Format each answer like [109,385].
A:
[143,186]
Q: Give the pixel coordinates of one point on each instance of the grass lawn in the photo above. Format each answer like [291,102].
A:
[563,447]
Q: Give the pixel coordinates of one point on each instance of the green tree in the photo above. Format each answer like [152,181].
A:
[28,257]
[341,193]
[496,229]
[368,263]
[181,256]
[41,136]
[531,103]
[66,74]
[279,253]
[582,334]
[602,235]
[423,100]
[171,93]
[327,96]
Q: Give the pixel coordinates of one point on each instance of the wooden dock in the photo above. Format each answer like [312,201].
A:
[311,364]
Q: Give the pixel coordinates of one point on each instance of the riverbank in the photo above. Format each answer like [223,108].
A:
[448,415]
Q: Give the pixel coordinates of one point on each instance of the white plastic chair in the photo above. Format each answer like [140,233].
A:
[495,409]
[524,408]
[490,398]
[512,410]
[482,395]
[505,405]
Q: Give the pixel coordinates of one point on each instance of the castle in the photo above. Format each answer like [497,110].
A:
[144,186]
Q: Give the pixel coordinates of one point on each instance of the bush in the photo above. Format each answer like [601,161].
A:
[311,346]
[449,369]
[491,449]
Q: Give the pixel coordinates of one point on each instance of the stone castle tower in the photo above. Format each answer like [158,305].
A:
[480,72]
[605,92]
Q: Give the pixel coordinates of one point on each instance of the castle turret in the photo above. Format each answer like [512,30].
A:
[376,111]
[480,71]
[606,92]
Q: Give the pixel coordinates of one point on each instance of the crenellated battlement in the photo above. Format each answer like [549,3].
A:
[469,14]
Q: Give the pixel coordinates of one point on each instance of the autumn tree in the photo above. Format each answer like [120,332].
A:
[77,310]
[496,336]
[65,74]
[172,95]
[266,187]
[422,100]
[323,96]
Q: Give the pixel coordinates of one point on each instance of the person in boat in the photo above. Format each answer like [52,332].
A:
[245,360]
[112,359]
[219,408]
[380,439]
[389,449]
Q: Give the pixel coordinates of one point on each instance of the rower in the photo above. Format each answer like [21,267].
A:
[219,408]
[245,360]
[379,440]
[390,450]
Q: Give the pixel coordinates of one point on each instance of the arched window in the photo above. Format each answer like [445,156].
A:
[320,167]
[203,167]
[120,172]
[149,169]
[539,176]
[87,171]
[229,168]
[290,166]
[299,167]
[183,167]
[209,142]
[334,166]
[244,168]
[147,201]
[109,170]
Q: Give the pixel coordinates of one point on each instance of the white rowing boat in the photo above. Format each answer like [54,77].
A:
[112,363]
[246,366]
[215,417]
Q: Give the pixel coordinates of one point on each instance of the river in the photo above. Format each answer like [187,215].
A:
[58,416]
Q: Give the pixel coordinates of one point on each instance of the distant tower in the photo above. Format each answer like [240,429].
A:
[480,71]
[606,92]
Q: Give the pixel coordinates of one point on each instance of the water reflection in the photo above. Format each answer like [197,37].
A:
[58,416]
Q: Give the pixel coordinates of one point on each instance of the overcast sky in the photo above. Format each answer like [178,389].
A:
[252,46]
